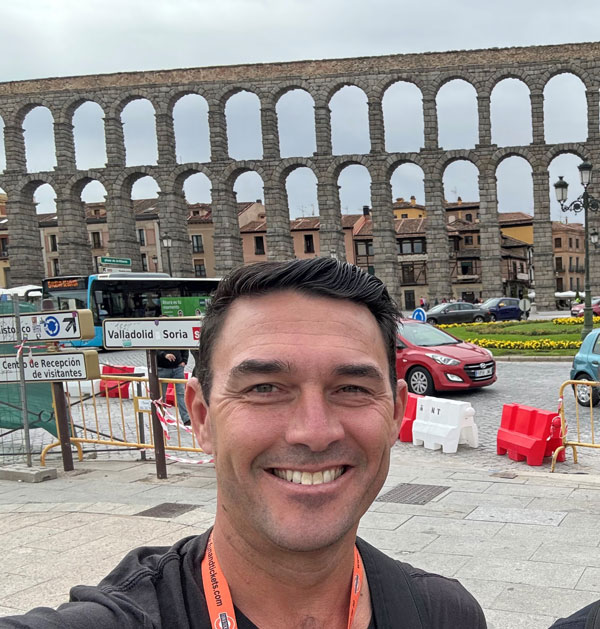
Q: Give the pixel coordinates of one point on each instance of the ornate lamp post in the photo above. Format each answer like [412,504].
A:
[167,242]
[584,203]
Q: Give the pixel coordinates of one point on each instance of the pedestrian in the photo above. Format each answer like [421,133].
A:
[171,365]
[295,395]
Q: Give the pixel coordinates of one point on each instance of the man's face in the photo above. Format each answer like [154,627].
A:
[301,418]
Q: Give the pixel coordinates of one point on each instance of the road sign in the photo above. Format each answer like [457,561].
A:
[56,367]
[104,261]
[62,325]
[164,333]
[525,304]
[419,315]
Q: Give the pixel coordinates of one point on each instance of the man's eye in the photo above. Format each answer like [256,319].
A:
[263,388]
[353,388]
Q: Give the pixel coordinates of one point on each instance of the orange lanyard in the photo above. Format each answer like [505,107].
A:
[218,596]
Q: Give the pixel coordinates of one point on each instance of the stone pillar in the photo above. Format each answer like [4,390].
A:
[543,254]
[165,139]
[430,122]
[14,147]
[74,246]
[331,234]
[537,117]
[385,246]
[115,142]
[120,219]
[323,129]
[376,126]
[24,246]
[270,132]
[217,124]
[226,240]
[485,123]
[439,262]
[489,231]
[64,146]
[280,246]
[173,213]
[593,115]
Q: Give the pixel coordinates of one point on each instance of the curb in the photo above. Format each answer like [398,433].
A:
[536,359]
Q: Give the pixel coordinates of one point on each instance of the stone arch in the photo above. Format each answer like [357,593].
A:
[383,84]
[297,84]
[100,133]
[511,123]
[181,174]
[304,191]
[568,149]
[132,178]
[436,86]
[76,184]
[556,99]
[411,117]
[393,162]
[514,183]
[357,185]
[139,127]
[519,151]
[469,188]
[191,133]
[302,117]
[345,117]
[566,68]
[288,165]
[417,188]
[450,134]
[243,124]
[40,142]
[503,74]
[28,104]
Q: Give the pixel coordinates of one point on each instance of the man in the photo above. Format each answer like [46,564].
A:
[171,364]
[296,397]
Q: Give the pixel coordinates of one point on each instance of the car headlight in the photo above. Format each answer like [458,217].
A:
[444,360]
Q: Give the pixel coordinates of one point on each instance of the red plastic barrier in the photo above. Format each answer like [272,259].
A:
[410,412]
[555,440]
[525,434]
[111,388]
[170,396]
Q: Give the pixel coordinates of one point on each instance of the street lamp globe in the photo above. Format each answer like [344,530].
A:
[561,188]
[585,172]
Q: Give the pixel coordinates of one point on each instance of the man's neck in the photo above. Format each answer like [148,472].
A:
[273,586]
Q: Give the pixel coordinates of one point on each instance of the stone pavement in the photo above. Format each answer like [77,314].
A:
[525,542]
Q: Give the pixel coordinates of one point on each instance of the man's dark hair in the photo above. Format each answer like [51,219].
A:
[322,277]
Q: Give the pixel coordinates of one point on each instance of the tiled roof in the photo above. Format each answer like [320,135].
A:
[514,217]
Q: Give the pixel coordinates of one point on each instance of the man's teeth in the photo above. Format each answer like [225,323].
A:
[308,478]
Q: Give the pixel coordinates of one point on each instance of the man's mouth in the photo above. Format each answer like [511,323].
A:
[309,478]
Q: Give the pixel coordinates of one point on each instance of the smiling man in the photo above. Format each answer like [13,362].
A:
[296,397]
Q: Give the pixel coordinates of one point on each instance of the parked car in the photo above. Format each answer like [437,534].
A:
[431,360]
[585,367]
[456,312]
[577,309]
[502,308]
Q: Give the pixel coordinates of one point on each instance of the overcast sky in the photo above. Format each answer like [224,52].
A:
[44,38]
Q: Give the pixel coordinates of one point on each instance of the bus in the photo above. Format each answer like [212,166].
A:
[127,295]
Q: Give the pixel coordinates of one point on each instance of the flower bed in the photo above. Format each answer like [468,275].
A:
[541,344]
[572,321]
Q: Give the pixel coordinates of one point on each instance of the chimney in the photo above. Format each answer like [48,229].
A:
[413,200]
[366,210]
[259,201]
[400,200]
[459,201]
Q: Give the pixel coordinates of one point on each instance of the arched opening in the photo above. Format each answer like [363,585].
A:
[145,188]
[89,136]
[403,118]
[197,193]
[4,261]
[565,109]
[461,182]
[458,123]
[190,121]
[244,131]
[296,123]
[93,194]
[248,187]
[514,185]
[38,131]
[44,198]
[139,132]
[197,189]
[144,199]
[354,184]
[408,190]
[349,121]
[510,113]
[301,186]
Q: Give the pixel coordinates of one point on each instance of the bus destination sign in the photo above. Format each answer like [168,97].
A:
[56,367]
[61,325]
[180,333]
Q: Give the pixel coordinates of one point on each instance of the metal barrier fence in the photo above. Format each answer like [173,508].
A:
[115,412]
[587,394]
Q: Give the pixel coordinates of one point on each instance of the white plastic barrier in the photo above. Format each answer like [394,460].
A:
[444,424]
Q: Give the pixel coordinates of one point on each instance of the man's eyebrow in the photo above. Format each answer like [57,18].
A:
[359,370]
[257,366]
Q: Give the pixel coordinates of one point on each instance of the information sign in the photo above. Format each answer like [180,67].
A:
[181,333]
[56,367]
[125,262]
[61,325]
[419,315]
[184,306]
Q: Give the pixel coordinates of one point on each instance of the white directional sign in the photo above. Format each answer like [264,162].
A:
[59,366]
[167,333]
[62,325]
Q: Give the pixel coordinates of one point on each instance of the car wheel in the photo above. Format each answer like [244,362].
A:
[478,319]
[520,318]
[432,321]
[419,381]
[582,393]
[492,317]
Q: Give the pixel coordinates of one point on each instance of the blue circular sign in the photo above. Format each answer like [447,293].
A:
[52,326]
[419,315]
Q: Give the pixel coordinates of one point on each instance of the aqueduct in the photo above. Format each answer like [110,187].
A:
[483,69]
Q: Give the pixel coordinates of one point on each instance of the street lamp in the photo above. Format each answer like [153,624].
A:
[584,203]
[167,242]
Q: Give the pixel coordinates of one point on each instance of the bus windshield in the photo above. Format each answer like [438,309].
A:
[64,293]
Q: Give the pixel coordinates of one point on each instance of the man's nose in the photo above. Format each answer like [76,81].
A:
[314,422]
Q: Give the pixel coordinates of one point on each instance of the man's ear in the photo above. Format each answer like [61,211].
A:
[399,407]
[199,414]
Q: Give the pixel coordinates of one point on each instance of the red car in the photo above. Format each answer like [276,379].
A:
[431,360]
[577,309]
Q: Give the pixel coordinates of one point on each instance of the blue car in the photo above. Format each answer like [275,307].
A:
[585,367]
[502,309]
